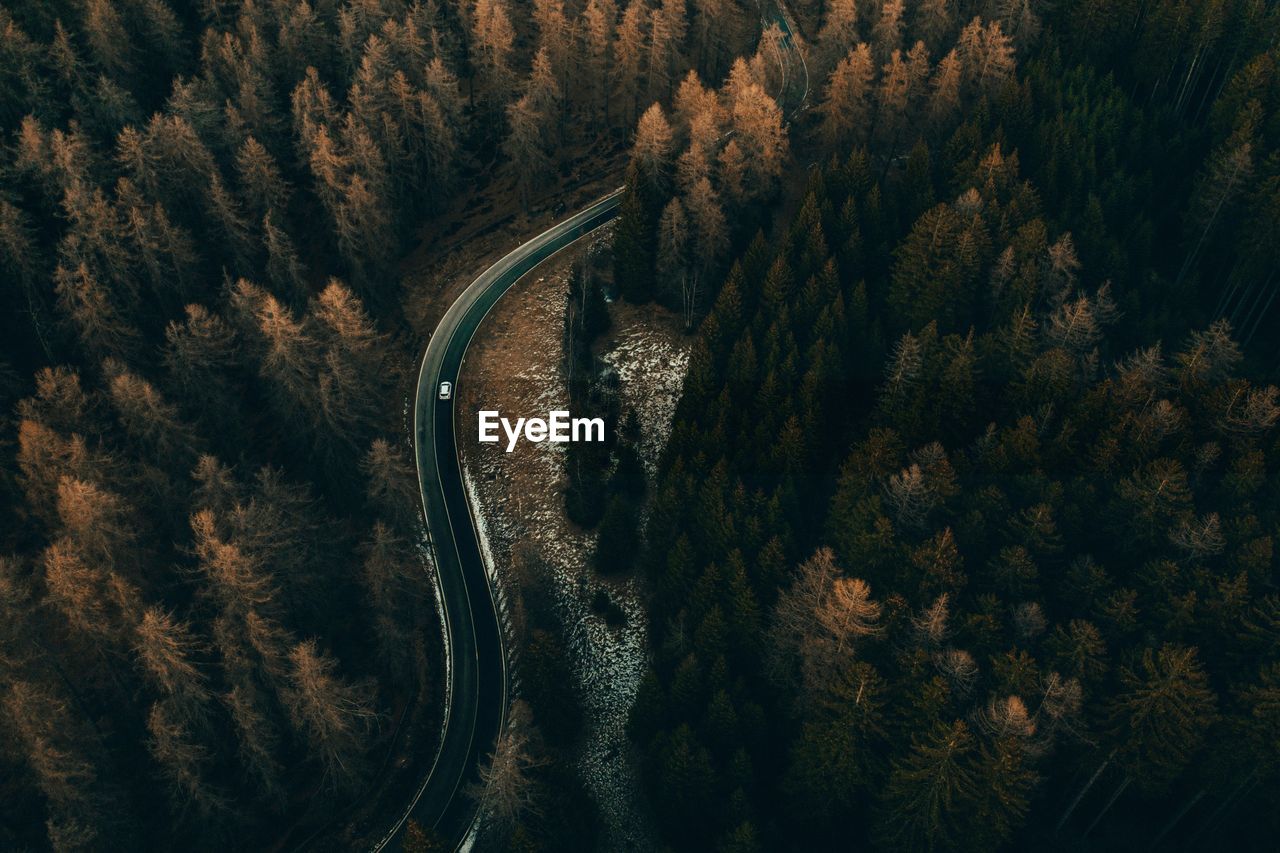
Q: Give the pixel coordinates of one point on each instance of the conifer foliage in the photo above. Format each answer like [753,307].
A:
[962,539]
[202,211]
[212,586]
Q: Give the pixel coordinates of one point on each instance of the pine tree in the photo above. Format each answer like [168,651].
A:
[231,226]
[82,811]
[839,33]
[90,599]
[285,271]
[262,187]
[886,35]
[554,41]
[944,95]
[506,787]
[332,715]
[1154,499]
[847,613]
[389,568]
[531,142]
[164,253]
[987,55]
[1018,18]
[686,771]
[633,246]
[667,30]
[1007,784]
[109,42]
[442,84]
[732,168]
[1229,168]
[652,150]
[795,617]
[757,120]
[693,100]
[1162,715]
[710,242]
[19,254]
[149,420]
[101,325]
[673,248]
[709,18]
[629,55]
[698,161]
[933,21]
[352,372]
[1211,356]
[599,21]
[43,458]
[286,354]
[835,761]
[202,359]
[257,739]
[892,101]
[183,763]
[165,649]
[392,485]
[935,276]
[100,525]
[846,106]
[929,802]
[618,538]
[364,227]
[494,38]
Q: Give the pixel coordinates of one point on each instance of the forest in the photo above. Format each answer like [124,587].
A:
[217,618]
[963,539]
[963,536]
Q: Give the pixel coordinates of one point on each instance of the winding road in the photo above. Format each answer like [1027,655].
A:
[477,680]
[476,701]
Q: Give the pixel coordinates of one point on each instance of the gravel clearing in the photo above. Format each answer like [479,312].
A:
[514,366]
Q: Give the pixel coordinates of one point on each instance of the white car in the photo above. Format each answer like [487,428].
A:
[446,390]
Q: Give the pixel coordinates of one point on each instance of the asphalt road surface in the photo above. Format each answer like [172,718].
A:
[477,658]
[477,696]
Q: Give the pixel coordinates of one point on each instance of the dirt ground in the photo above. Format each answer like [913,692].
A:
[485,226]
[514,366]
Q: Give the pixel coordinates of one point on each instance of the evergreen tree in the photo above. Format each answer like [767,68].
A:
[1162,714]
[618,537]
[846,109]
[931,799]
[634,251]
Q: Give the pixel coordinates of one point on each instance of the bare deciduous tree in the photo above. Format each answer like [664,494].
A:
[165,648]
[505,791]
[331,714]
[183,762]
[846,104]
[653,144]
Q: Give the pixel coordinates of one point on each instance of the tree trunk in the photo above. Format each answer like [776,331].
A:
[1266,309]
[1111,802]
[1225,806]
[1182,812]
[1080,796]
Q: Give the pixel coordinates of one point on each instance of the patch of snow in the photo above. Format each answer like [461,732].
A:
[427,553]
[481,528]
[517,499]
[650,368]
[469,843]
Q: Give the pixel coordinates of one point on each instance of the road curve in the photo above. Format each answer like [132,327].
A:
[477,660]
